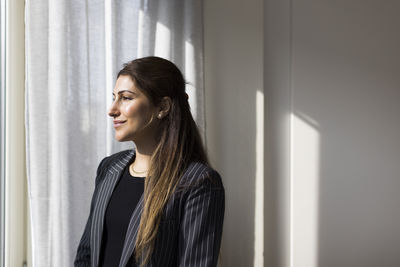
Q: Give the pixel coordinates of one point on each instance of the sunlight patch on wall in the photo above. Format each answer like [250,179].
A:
[304,180]
[259,190]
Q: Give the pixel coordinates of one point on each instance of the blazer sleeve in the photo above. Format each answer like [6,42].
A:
[201,226]
[82,258]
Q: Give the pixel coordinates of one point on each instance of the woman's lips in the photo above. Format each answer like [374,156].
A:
[118,123]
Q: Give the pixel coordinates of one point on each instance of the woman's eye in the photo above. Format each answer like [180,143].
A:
[126,98]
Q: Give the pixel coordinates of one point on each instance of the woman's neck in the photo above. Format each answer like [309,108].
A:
[142,159]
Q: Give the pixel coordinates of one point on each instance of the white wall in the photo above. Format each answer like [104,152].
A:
[332,86]
[234,91]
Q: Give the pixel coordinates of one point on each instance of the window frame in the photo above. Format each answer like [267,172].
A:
[3,20]
[15,245]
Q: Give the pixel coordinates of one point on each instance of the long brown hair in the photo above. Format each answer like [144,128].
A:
[179,143]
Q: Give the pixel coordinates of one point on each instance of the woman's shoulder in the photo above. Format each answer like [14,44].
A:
[112,162]
[122,157]
[199,173]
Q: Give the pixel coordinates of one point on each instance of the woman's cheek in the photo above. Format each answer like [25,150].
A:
[130,110]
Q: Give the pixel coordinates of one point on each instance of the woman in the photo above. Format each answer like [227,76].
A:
[160,204]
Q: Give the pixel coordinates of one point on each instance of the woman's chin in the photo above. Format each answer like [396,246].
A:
[122,138]
[119,138]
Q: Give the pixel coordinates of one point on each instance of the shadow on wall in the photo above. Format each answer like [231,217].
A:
[332,165]
[235,144]
[345,79]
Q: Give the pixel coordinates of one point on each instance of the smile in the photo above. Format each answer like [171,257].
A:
[118,123]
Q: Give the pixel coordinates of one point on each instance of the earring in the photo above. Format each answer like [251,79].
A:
[159,116]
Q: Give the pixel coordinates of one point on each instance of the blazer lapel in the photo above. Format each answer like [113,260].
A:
[131,233]
[106,187]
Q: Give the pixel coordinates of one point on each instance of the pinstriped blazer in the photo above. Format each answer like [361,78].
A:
[191,225]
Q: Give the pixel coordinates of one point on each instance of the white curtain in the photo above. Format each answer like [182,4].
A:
[74,50]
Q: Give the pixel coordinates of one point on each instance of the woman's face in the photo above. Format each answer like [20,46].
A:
[135,117]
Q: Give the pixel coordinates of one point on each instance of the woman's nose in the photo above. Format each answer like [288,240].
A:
[113,111]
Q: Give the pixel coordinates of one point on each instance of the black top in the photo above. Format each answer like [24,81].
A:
[122,203]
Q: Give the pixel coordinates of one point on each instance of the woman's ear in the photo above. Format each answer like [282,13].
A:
[164,107]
